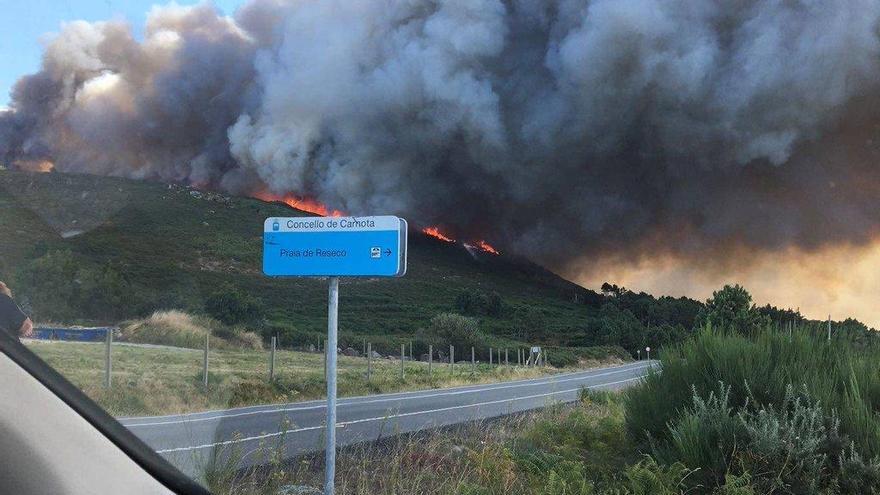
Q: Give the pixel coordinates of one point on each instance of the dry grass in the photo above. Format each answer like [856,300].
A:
[160,380]
[487,457]
[179,329]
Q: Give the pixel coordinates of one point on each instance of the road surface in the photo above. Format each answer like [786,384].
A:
[189,440]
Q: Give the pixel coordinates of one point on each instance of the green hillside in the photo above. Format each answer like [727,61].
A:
[88,249]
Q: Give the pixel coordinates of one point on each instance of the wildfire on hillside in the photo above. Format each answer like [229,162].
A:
[436,233]
[42,166]
[482,245]
[485,246]
[318,208]
[304,204]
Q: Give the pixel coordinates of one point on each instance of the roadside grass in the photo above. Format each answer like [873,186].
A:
[578,449]
[161,380]
[180,329]
[728,415]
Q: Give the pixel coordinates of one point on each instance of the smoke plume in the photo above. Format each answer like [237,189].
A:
[566,130]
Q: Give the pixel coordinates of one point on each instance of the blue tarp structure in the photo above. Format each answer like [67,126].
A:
[91,334]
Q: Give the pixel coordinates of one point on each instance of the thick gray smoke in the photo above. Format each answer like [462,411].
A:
[555,128]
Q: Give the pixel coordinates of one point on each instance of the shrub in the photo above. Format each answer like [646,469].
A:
[647,477]
[705,436]
[233,306]
[453,329]
[477,302]
[783,416]
[731,308]
[60,286]
[179,329]
[174,328]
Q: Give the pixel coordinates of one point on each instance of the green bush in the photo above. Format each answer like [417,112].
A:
[233,306]
[477,302]
[448,329]
[705,436]
[783,415]
[731,307]
[61,286]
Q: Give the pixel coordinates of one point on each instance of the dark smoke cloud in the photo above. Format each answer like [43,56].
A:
[559,129]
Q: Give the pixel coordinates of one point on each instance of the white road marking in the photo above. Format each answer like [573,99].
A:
[387,417]
[348,400]
[446,392]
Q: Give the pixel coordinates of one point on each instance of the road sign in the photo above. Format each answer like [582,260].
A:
[335,246]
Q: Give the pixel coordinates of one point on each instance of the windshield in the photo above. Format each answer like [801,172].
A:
[497,246]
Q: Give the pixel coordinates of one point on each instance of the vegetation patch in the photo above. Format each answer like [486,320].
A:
[179,329]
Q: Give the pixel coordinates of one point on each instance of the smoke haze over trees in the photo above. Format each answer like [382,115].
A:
[557,129]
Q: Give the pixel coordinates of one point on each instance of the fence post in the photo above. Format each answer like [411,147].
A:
[452,359]
[369,360]
[205,362]
[272,362]
[506,362]
[402,356]
[108,359]
[430,362]
[473,362]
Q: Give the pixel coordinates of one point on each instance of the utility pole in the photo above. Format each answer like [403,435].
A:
[829,328]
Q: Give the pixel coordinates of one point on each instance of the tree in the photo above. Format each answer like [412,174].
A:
[612,290]
[731,308]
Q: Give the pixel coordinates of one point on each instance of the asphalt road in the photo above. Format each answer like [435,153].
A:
[189,440]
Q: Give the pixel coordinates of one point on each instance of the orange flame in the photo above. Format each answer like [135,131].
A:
[304,204]
[485,246]
[435,232]
[42,166]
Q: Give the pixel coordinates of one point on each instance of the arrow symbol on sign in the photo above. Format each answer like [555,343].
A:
[388,252]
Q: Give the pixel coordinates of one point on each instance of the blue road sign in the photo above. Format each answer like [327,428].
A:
[335,246]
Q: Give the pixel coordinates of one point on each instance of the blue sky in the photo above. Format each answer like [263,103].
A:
[24,23]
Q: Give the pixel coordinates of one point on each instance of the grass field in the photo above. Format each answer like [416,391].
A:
[164,380]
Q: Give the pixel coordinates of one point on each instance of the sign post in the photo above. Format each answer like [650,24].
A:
[332,321]
[334,247]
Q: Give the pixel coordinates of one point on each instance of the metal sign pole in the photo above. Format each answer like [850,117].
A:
[372,246]
[332,320]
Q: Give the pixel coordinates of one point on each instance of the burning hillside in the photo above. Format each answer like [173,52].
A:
[584,134]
